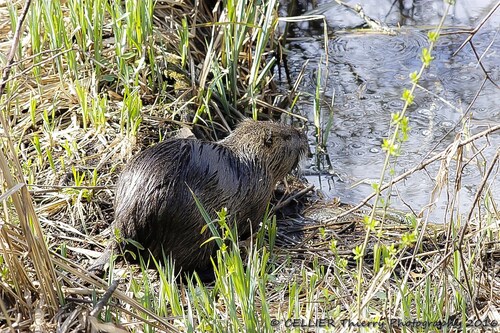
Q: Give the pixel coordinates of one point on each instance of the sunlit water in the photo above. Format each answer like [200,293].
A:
[367,73]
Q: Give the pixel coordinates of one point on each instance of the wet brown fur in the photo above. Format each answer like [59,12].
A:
[155,207]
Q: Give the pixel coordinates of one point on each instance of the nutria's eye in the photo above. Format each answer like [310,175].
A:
[287,137]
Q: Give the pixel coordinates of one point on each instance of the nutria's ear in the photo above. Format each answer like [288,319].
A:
[268,141]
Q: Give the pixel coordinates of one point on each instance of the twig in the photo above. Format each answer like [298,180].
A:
[5,76]
[105,298]
[372,23]
[59,188]
[481,65]
[465,113]
[476,29]
[15,43]
[357,9]
[466,226]
[31,57]
[292,197]
[22,73]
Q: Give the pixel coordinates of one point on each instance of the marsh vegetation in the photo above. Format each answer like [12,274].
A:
[87,84]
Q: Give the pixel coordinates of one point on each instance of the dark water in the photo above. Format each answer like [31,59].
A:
[367,72]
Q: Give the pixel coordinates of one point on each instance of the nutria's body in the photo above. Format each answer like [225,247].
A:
[154,204]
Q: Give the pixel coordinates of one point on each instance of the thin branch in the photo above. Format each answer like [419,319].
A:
[290,198]
[476,29]
[105,298]
[481,65]
[466,225]
[50,59]
[13,48]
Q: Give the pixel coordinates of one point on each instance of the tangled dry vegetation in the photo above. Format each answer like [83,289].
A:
[80,99]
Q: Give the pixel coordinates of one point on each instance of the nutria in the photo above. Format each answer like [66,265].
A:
[154,204]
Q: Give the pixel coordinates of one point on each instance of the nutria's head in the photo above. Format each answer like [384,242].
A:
[277,146]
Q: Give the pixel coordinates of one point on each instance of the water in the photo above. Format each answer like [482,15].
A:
[367,72]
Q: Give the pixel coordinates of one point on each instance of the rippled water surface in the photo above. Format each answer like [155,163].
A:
[367,72]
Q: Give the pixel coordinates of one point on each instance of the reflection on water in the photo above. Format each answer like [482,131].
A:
[367,72]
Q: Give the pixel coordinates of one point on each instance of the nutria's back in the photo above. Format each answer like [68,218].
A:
[154,204]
